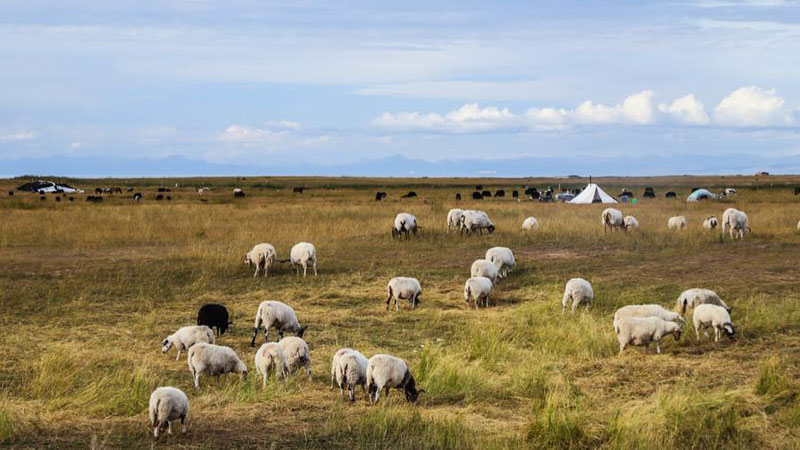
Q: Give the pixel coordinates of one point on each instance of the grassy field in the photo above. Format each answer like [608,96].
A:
[88,291]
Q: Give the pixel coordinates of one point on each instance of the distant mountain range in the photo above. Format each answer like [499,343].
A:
[400,166]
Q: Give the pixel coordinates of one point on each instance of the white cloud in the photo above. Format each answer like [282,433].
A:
[20,135]
[686,110]
[271,131]
[752,106]
[75,145]
[469,118]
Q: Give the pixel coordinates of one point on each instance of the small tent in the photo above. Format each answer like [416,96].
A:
[592,194]
[700,194]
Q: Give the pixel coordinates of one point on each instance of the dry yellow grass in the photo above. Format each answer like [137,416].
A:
[88,291]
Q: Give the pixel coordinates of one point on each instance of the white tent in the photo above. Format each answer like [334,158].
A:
[593,194]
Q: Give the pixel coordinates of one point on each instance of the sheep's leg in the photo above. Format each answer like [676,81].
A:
[197,380]
[716,334]
[388,300]
[307,363]
[183,424]
[179,355]
[256,274]
[266,270]
[396,306]
[622,347]
[341,392]
[352,393]
[169,427]
[697,333]
[575,304]
[315,269]
[658,347]
[305,269]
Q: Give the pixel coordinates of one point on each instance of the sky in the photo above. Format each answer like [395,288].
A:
[270,83]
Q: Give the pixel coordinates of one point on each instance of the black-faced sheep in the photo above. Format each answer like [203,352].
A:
[712,316]
[404,223]
[385,372]
[643,331]
[579,291]
[349,369]
[303,255]
[403,288]
[296,352]
[279,315]
[270,357]
[213,360]
[186,337]
[479,289]
[167,404]
[676,223]
[612,220]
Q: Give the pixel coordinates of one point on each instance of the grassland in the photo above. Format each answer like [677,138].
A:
[87,292]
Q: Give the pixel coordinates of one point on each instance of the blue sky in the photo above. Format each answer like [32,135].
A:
[261,83]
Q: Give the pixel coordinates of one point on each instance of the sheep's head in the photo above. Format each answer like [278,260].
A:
[166,345]
[728,328]
[490,228]
[301,331]
[677,332]
[412,394]
[248,259]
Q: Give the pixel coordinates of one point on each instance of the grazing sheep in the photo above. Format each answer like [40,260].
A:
[458,197]
[296,352]
[479,289]
[484,268]
[477,196]
[270,357]
[279,315]
[349,368]
[214,315]
[237,193]
[612,220]
[676,223]
[167,404]
[579,291]
[643,331]
[502,258]
[737,223]
[385,372]
[472,221]
[214,360]
[186,337]
[302,255]
[647,311]
[454,218]
[712,316]
[403,288]
[630,222]
[404,223]
[262,255]
[692,298]
[530,224]
[710,223]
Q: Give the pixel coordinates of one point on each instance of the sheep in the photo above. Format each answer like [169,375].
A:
[404,223]
[630,222]
[692,298]
[349,368]
[737,223]
[279,315]
[214,315]
[643,331]
[302,255]
[472,221]
[676,223]
[213,360]
[798,225]
[403,288]
[261,255]
[579,291]
[237,193]
[167,404]
[710,223]
[454,218]
[484,268]
[270,357]
[717,317]
[502,258]
[186,337]
[385,372]
[296,352]
[530,224]
[479,288]
[612,220]
[647,311]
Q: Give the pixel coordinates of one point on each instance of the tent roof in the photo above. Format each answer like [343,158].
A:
[700,194]
[46,186]
[593,194]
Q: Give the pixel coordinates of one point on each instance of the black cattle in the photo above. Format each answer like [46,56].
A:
[649,193]
[529,191]
[169,198]
[411,194]
[380,195]
[477,196]
[514,194]
[98,191]
[58,199]
[626,193]
[298,190]
[10,193]
[163,189]
[130,189]
[42,198]
[160,197]
[94,199]
[478,187]
[671,194]
[535,195]
[500,193]
[458,197]
[796,191]
[137,196]
[486,193]
[238,194]
[72,199]
[214,315]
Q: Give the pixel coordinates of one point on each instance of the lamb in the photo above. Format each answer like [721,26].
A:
[710,223]
[404,223]
[167,404]
[262,255]
[484,268]
[296,352]
[279,315]
[270,357]
[630,222]
[213,360]
[713,316]
[737,223]
[349,368]
[692,298]
[186,337]
[454,218]
[676,223]
[472,221]
[502,258]
[530,224]
[385,372]
[647,311]
[579,291]
[643,331]
[302,255]
[479,288]
[612,220]
[403,288]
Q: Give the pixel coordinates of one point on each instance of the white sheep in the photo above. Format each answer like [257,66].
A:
[405,288]
[484,268]
[404,223]
[279,315]
[186,337]
[692,298]
[385,372]
[454,218]
[479,289]
[712,316]
[502,258]
[349,369]
[270,357]
[737,223]
[476,221]
[579,291]
[530,224]
[630,222]
[262,255]
[167,404]
[710,223]
[296,352]
[213,360]
[302,255]
[798,225]
[612,220]
[676,223]
[643,331]
[647,311]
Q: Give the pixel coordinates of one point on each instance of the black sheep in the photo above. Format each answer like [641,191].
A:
[458,197]
[477,196]
[214,315]
[500,193]
[514,194]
